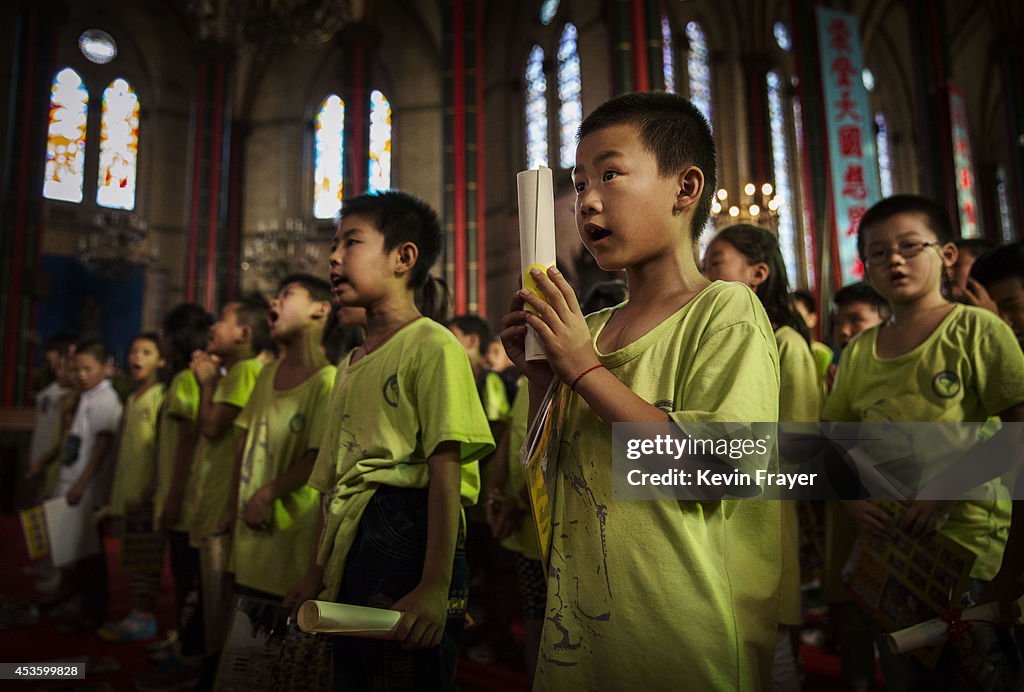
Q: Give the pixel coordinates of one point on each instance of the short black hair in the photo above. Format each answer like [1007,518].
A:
[93,347]
[319,289]
[1006,262]
[859,292]
[61,341]
[251,311]
[188,328]
[401,218]
[975,246]
[474,324]
[805,298]
[673,130]
[147,336]
[935,216]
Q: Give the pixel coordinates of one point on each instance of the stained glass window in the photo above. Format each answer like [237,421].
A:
[380,142]
[328,159]
[570,115]
[548,10]
[782,39]
[65,138]
[536,110]
[780,163]
[668,58]
[884,155]
[868,77]
[119,146]
[808,246]
[1005,222]
[698,69]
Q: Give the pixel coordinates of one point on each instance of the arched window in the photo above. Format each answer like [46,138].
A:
[783,186]
[884,155]
[65,138]
[119,146]
[328,159]
[548,10]
[536,110]
[668,58]
[697,67]
[570,114]
[380,142]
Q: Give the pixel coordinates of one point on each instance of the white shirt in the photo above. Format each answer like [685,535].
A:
[46,432]
[99,411]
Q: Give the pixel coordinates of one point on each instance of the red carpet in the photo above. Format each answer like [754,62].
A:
[42,641]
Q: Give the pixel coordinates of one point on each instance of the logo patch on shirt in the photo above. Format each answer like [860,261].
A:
[665,405]
[297,423]
[946,384]
[391,391]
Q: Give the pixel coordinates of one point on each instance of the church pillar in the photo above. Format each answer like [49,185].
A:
[208,232]
[30,37]
[932,119]
[463,208]
[814,153]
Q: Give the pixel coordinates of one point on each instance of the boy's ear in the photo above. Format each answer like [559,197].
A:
[950,252]
[246,334]
[761,274]
[691,185]
[407,254]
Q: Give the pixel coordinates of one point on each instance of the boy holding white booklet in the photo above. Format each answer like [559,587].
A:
[398,458]
[657,594]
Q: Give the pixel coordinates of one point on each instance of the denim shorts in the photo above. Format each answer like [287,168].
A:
[383,565]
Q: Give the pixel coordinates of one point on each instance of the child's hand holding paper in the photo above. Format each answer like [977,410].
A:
[560,326]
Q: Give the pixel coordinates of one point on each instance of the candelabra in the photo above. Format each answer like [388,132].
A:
[278,248]
[756,206]
[115,242]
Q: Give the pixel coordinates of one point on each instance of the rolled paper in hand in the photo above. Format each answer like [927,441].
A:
[536,238]
[324,617]
[936,631]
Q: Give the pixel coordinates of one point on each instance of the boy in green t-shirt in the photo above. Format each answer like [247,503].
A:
[226,372]
[654,594]
[275,511]
[399,457]
[932,361]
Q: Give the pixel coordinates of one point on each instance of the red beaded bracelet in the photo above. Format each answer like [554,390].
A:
[580,376]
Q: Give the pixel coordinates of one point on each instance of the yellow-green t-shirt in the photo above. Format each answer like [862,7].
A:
[389,412]
[214,464]
[663,594]
[180,407]
[281,426]
[136,451]
[494,397]
[799,402]
[970,368]
[525,539]
[822,358]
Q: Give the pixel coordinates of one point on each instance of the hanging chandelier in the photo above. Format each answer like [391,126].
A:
[757,206]
[279,248]
[269,22]
[115,243]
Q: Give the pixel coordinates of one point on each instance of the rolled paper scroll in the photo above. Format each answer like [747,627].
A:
[324,617]
[536,237]
[936,631]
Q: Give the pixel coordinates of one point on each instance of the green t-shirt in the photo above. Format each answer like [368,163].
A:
[494,397]
[822,358]
[180,407]
[214,464]
[389,412]
[799,402]
[280,426]
[136,451]
[659,594]
[970,368]
[525,539]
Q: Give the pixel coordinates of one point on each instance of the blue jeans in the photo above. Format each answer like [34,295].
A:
[384,564]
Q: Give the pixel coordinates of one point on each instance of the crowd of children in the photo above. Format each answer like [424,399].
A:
[277,468]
